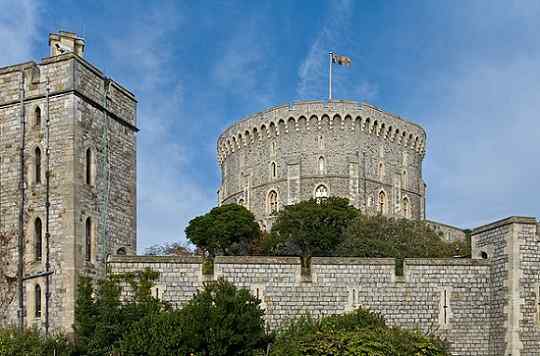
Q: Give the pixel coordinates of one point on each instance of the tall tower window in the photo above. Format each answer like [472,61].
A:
[37,118]
[37,301]
[380,170]
[88,239]
[404,179]
[89,167]
[321,165]
[37,165]
[382,202]
[406,207]
[273,170]
[273,202]
[320,139]
[38,239]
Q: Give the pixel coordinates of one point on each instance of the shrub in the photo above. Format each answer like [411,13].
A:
[101,320]
[32,343]
[379,236]
[219,320]
[360,332]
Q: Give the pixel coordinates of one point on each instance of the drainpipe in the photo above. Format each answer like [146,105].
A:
[20,240]
[47,212]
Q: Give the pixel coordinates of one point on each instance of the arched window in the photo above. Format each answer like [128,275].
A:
[38,239]
[37,165]
[321,166]
[37,117]
[89,167]
[121,251]
[404,179]
[321,142]
[273,203]
[406,207]
[380,170]
[382,202]
[37,301]
[88,239]
[241,202]
[321,192]
[273,170]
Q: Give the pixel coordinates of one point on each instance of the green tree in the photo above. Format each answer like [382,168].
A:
[311,228]
[169,249]
[228,230]
[379,236]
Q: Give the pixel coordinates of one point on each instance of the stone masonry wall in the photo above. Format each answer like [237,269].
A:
[512,247]
[364,151]
[81,117]
[449,297]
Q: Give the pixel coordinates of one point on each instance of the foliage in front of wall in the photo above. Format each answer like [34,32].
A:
[32,343]
[360,332]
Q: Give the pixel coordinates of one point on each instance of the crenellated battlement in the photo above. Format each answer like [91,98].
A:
[310,116]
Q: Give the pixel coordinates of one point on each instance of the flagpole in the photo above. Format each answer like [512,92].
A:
[330,77]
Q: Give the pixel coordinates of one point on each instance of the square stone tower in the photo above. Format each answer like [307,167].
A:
[67,179]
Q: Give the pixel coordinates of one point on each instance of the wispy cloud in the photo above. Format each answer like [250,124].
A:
[18,29]
[244,63]
[168,196]
[484,136]
[334,35]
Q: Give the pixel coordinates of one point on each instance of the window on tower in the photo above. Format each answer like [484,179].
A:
[38,239]
[37,301]
[382,202]
[321,193]
[37,165]
[273,203]
[321,166]
[88,239]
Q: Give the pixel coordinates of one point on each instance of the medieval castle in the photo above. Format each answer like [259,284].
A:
[68,197]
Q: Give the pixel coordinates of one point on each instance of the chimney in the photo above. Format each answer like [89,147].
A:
[63,42]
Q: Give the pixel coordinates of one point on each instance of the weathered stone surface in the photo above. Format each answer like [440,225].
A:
[354,150]
[85,111]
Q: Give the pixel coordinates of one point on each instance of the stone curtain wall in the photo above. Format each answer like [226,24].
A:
[336,285]
[353,140]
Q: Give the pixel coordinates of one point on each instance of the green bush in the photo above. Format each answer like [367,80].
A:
[102,319]
[32,343]
[220,320]
[379,236]
[357,333]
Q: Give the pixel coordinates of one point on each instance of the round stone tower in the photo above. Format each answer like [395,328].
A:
[316,149]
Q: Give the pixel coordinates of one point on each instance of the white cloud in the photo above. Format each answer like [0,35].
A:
[18,30]
[242,69]
[313,71]
[168,195]
[484,142]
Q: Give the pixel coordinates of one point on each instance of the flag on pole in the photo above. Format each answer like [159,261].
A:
[341,60]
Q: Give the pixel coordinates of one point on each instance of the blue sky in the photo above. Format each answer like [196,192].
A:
[468,71]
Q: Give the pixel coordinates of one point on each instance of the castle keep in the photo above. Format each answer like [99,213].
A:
[67,178]
[314,149]
[68,196]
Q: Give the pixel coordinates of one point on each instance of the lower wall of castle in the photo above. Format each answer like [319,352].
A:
[447,297]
